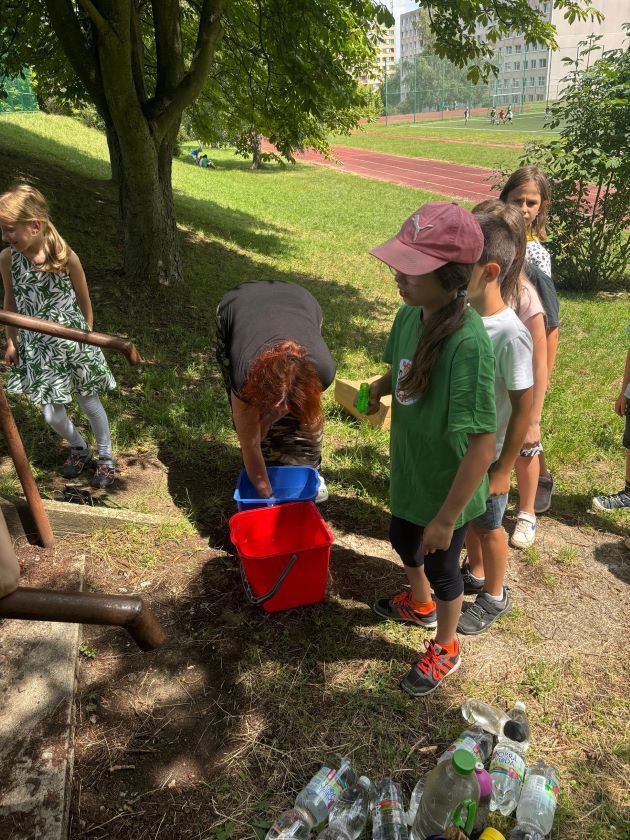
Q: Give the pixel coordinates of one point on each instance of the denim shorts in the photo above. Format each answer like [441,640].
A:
[493,516]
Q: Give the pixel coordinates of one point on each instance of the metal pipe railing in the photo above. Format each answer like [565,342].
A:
[128,611]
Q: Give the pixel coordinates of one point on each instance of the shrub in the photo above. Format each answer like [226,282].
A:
[589,170]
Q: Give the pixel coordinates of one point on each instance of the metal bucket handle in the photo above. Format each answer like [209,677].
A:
[257,600]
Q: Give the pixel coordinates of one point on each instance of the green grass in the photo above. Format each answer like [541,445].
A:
[326,676]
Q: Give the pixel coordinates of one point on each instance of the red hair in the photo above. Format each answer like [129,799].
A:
[283,374]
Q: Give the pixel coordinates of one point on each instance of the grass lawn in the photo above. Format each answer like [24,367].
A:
[282,692]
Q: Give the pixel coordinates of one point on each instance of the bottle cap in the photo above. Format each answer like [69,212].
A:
[519,705]
[515,731]
[491,834]
[463,762]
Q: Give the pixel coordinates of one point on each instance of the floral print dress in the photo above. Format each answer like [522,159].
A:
[51,369]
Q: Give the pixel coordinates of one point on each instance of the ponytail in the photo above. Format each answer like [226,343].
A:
[56,250]
[441,325]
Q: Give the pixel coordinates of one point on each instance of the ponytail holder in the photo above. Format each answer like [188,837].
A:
[461,293]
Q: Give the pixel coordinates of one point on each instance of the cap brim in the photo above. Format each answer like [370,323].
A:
[405,259]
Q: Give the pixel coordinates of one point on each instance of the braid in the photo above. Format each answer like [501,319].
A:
[446,321]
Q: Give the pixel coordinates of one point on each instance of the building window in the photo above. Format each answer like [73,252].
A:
[508,66]
[542,62]
[515,84]
[508,50]
[532,81]
[517,65]
[541,81]
[517,48]
[532,63]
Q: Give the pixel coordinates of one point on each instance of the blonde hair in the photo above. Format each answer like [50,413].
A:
[523,176]
[23,204]
[511,282]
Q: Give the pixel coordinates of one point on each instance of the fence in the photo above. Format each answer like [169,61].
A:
[427,83]
[19,96]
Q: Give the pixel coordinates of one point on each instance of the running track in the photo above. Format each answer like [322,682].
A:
[449,179]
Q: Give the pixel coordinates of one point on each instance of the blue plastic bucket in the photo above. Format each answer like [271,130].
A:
[289,484]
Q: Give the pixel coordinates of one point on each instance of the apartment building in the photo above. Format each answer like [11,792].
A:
[411,39]
[385,57]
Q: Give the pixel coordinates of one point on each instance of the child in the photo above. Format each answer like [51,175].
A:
[502,116]
[622,408]
[528,190]
[493,115]
[443,424]
[509,116]
[43,278]
[466,115]
[486,541]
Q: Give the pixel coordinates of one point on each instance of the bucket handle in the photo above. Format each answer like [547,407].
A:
[257,600]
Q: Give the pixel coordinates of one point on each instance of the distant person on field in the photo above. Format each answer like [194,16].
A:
[502,116]
[509,115]
[466,115]
[528,190]
[622,408]
[441,377]
[206,163]
[195,154]
[493,115]
[275,366]
[44,278]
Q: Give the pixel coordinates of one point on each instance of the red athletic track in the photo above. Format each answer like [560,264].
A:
[450,179]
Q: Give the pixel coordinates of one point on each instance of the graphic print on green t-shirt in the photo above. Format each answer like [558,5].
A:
[428,437]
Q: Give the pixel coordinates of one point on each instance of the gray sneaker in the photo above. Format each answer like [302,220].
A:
[75,462]
[472,585]
[544,492]
[616,501]
[477,617]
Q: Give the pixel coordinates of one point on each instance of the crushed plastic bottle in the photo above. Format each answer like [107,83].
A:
[475,740]
[507,765]
[349,814]
[313,803]
[488,717]
[388,817]
[450,797]
[414,801]
[485,795]
[363,398]
[537,805]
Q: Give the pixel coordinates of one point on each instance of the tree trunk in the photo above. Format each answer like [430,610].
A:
[256,152]
[115,159]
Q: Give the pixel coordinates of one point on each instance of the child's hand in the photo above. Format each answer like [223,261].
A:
[11,355]
[621,405]
[374,401]
[437,536]
[9,575]
[532,437]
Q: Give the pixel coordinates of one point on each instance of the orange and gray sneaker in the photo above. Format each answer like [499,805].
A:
[401,608]
[427,674]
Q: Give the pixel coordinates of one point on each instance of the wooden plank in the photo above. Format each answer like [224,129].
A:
[346,391]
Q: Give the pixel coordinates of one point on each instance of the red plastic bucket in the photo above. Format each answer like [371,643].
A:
[284,553]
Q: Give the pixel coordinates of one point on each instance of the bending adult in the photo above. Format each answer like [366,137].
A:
[276,366]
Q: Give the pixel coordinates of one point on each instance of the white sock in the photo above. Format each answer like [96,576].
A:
[495,597]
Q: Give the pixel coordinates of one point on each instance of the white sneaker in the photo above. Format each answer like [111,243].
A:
[524,534]
[322,493]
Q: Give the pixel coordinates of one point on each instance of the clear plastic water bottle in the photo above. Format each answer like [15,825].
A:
[507,765]
[314,802]
[473,739]
[414,801]
[349,814]
[450,797]
[488,717]
[388,817]
[537,805]
[485,795]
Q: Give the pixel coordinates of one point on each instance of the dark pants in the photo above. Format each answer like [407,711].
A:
[441,567]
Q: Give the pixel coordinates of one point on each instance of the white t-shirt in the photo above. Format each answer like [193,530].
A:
[512,345]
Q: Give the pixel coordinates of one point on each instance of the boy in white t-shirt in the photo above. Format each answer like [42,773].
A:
[486,540]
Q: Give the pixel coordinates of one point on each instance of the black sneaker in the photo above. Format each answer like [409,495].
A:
[616,501]
[105,473]
[75,462]
[472,585]
[477,617]
[427,674]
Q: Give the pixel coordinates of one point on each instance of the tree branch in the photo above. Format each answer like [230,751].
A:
[168,46]
[95,16]
[169,108]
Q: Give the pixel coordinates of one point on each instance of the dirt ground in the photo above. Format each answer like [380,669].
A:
[164,739]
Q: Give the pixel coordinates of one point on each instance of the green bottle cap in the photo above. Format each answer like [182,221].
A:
[463,762]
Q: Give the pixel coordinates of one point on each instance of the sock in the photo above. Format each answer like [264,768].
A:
[476,579]
[500,597]
[423,607]
[452,649]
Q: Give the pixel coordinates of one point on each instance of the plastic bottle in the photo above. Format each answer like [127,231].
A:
[363,398]
[313,803]
[388,817]
[537,805]
[488,717]
[349,814]
[450,797]
[473,739]
[491,834]
[507,765]
[485,795]
[414,801]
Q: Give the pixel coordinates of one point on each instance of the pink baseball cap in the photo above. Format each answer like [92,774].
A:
[436,234]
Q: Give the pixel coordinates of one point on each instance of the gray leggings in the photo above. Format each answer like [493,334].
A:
[56,416]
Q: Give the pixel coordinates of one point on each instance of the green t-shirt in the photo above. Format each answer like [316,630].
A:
[429,433]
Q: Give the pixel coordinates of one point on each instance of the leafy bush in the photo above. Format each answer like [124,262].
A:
[589,170]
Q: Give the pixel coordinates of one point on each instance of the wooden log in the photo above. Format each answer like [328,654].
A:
[346,391]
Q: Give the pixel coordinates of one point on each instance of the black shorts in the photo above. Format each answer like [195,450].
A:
[547,293]
[626,431]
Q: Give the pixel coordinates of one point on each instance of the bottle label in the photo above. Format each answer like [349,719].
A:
[543,788]
[391,811]
[506,762]
[328,785]
[471,744]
